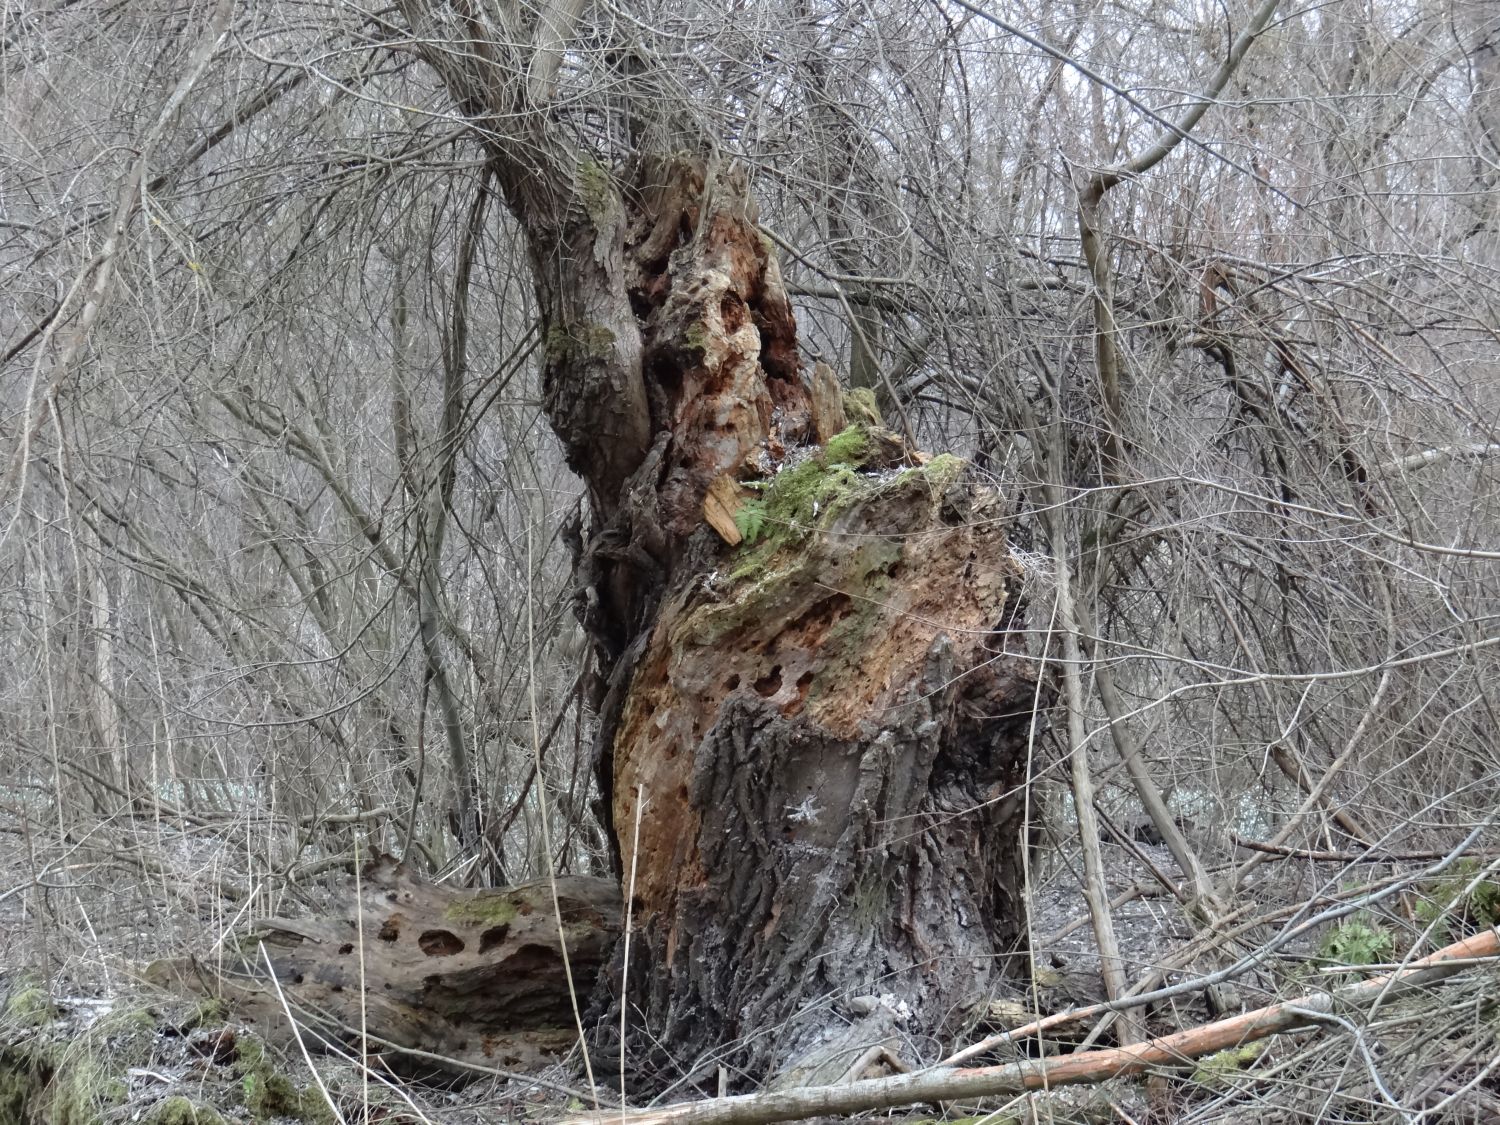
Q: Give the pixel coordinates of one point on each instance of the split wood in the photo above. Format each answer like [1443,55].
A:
[936,1085]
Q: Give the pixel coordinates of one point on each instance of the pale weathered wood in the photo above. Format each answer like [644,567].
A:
[477,976]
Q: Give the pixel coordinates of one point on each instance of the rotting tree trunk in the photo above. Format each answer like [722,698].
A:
[821,734]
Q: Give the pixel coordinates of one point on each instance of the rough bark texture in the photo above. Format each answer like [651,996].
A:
[473,976]
[821,733]
[830,745]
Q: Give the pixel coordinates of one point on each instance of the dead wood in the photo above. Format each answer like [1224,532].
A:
[938,1085]
[476,976]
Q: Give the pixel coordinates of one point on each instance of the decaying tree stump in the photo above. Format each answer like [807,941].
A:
[821,711]
[815,713]
[474,976]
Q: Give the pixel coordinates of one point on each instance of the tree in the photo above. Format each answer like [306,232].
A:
[812,753]
[284,542]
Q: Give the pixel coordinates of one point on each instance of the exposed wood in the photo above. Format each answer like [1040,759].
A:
[827,403]
[475,976]
[723,500]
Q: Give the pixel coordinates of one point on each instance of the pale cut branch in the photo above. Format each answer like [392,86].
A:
[1476,451]
[1045,1074]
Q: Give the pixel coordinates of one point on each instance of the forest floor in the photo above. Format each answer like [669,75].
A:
[77,936]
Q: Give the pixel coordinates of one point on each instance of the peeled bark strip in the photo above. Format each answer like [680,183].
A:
[473,976]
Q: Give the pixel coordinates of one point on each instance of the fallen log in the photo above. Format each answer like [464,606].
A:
[473,976]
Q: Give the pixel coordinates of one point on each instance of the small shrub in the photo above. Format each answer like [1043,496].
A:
[1455,909]
[1357,942]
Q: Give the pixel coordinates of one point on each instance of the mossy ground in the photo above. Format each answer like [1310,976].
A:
[268,1093]
[59,1068]
[30,1005]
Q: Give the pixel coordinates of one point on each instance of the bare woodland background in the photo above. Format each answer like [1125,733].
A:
[284,562]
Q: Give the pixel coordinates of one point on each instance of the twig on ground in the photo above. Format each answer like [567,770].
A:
[1044,1074]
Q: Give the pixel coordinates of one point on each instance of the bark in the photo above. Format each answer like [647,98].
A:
[821,735]
[1168,1052]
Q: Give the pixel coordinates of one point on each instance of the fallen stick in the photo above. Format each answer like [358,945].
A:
[1370,855]
[936,1085]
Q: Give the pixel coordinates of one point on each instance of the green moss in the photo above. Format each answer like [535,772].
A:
[1219,1069]
[85,1075]
[848,447]
[1452,908]
[810,496]
[56,1076]
[178,1110]
[795,502]
[807,495]
[24,1074]
[29,1006]
[80,1093]
[46,1079]
[697,337]
[801,501]
[941,471]
[268,1093]
[598,341]
[596,189]
[556,344]
[578,343]
[490,909]
[205,1013]
[860,406]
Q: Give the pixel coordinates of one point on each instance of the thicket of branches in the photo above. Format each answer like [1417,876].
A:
[284,562]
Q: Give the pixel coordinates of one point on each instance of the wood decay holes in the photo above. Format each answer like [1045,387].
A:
[731,313]
[440,943]
[769,684]
[804,682]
